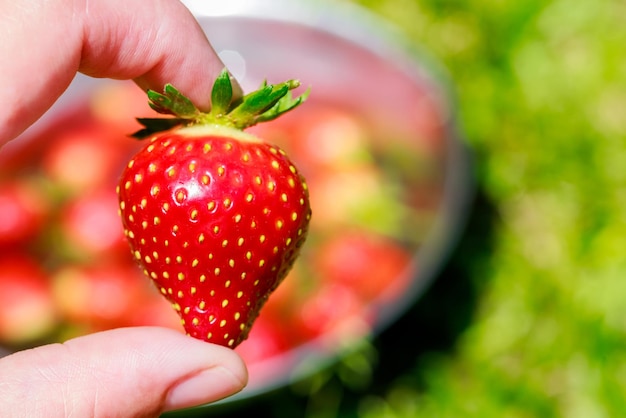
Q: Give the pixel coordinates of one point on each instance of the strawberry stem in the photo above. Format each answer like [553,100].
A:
[262,105]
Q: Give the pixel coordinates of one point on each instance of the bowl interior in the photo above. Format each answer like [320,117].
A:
[354,66]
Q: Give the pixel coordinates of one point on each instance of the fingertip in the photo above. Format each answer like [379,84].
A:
[219,372]
[141,371]
[153,46]
[204,387]
[192,69]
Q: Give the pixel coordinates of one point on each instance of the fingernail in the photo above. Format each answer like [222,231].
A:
[206,386]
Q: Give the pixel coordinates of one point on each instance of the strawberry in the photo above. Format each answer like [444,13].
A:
[215,216]
[90,226]
[375,267]
[27,313]
[23,211]
[82,159]
[100,296]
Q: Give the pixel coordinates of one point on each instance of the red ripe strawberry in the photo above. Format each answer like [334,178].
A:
[373,266]
[23,211]
[215,216]
[100,296]
[28,313]
[82,159]
[91,227]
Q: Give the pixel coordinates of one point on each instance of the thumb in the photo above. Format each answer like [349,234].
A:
[130,372]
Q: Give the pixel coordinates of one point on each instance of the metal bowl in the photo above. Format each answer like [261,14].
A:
[353,60]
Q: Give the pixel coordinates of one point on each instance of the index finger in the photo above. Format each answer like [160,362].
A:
[153,43]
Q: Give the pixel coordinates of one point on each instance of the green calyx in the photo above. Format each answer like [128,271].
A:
[262,105]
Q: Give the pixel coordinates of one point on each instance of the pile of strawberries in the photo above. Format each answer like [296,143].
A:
[65,264]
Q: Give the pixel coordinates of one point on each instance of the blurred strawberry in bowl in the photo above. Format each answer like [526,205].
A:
[23,211]
[374,141]
[27,313]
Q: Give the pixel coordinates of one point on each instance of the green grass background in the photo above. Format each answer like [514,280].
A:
[542,94]
[529,317]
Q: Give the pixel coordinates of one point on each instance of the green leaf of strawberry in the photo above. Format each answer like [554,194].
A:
[264,104]
[172,102]
[222,94]
[215,216]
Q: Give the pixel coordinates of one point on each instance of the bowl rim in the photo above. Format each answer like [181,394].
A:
[382,39]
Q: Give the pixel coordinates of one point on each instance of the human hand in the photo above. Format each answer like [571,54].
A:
[44,43]
[127,372]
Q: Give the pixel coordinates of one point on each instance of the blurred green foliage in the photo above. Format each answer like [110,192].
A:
[541,87]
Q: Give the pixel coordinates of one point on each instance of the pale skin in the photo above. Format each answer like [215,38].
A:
[131,372]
